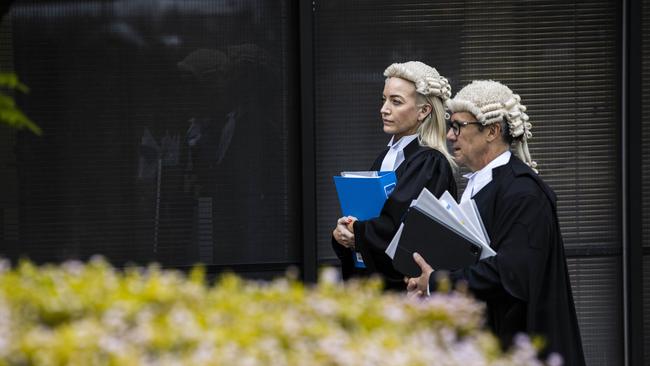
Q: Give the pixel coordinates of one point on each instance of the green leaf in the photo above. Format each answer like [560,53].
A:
[10,81]
[14,117]
[10,114]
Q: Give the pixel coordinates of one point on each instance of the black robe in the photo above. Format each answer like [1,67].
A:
[526,285]
[422,167]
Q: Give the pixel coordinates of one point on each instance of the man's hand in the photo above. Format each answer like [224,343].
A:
[419,287]
[344,232]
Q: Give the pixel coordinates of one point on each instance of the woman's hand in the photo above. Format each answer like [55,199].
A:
[344,231]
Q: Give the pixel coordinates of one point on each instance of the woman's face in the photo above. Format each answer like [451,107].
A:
[400,112]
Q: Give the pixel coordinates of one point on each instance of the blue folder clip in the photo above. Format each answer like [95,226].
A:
[364,198]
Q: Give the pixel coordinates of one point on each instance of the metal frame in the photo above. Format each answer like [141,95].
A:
[308,141]
[631,181]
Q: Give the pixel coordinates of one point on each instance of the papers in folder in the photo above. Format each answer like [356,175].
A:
[448,236]
[362,194]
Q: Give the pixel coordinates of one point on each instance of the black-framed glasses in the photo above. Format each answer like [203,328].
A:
[457,125]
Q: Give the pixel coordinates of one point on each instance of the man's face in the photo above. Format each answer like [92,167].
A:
[399,112]
[470,147]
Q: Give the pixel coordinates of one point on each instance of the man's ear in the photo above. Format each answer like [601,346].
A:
[425,110]
[494,132]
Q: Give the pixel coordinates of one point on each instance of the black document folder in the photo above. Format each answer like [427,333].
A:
[439,245]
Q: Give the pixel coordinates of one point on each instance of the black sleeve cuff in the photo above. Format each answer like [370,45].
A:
[345,256]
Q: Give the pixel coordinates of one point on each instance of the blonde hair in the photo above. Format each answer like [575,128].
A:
[432,131]
[431,89]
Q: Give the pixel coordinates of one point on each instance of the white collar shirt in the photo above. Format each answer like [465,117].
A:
[395,155]
[481,178]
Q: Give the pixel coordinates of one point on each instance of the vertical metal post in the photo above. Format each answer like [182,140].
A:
[308,140]
[632,181]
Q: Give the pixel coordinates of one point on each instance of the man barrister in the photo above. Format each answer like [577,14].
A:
[526,285]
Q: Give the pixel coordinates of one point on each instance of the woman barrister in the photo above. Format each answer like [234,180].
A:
[413,113]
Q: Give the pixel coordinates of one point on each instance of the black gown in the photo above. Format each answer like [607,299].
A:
[422,167]
[526,285]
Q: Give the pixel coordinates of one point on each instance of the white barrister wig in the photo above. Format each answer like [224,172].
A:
[427,80]
[491,102]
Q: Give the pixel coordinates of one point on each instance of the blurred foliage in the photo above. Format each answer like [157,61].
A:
[91,314]
[10,114]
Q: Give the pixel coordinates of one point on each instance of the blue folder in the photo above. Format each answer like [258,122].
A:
[363,198]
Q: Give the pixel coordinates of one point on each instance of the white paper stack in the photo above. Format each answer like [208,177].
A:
[463,219]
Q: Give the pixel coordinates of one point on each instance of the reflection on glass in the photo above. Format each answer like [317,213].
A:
[167,131]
